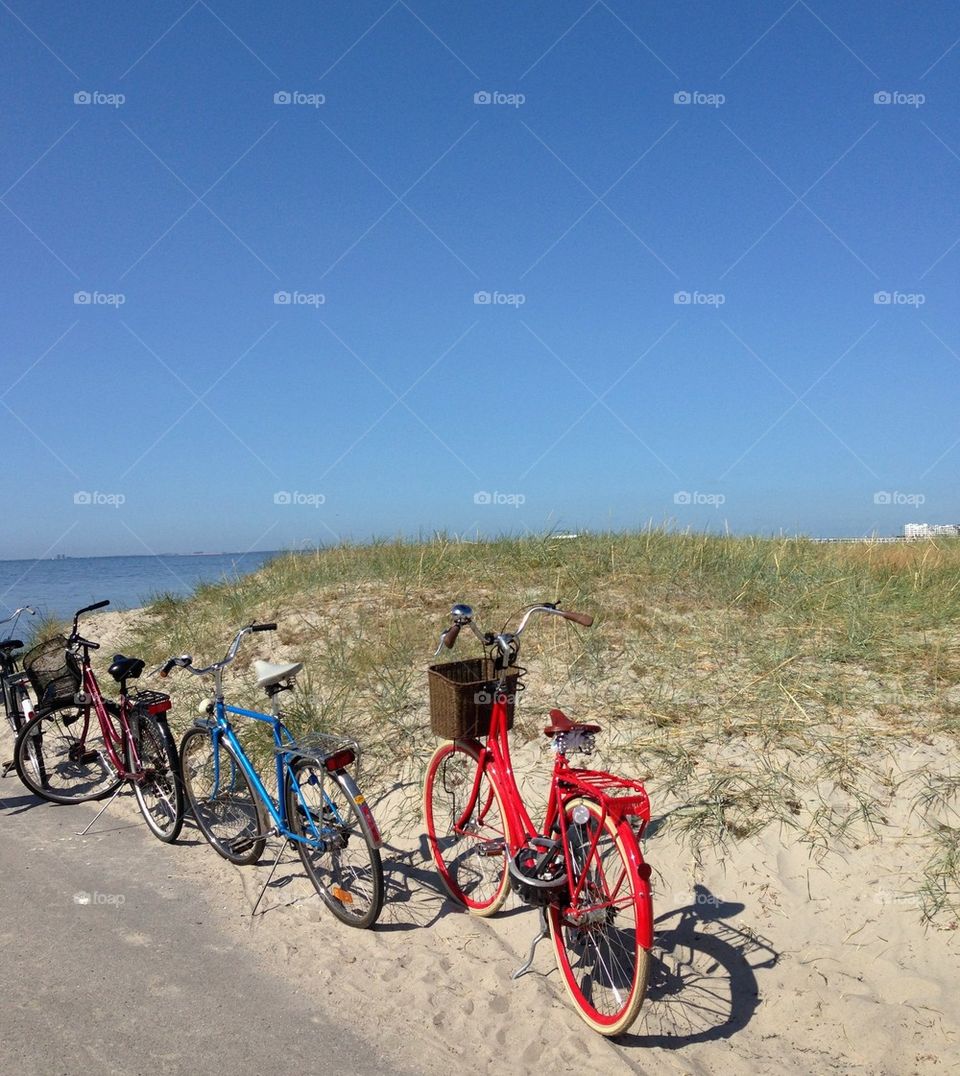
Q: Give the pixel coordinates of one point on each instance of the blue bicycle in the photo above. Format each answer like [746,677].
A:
[318,807]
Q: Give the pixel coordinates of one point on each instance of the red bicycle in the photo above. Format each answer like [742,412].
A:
[582,867]
[81,746]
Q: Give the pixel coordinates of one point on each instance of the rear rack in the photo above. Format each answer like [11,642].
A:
[620,796]
[152,702]
[319,746]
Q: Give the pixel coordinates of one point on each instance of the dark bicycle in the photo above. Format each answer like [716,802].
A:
[17,704]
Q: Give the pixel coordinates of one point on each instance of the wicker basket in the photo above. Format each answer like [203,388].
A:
[54,674]
[461,697]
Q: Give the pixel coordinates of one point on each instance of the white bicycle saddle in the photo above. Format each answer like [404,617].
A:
[268,673]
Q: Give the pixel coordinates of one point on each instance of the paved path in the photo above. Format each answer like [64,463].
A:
[112,964]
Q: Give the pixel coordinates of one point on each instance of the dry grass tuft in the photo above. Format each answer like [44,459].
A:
[754,682]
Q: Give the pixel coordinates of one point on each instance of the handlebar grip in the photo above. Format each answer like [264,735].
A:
[578,618]
[264,627]
[167,666]
[96,605]
[450,636]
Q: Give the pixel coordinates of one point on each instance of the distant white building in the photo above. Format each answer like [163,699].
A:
[931,530]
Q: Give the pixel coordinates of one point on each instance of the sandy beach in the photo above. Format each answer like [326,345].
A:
[765,962]
[771,954]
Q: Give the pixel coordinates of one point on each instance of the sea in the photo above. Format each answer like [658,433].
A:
[57,588]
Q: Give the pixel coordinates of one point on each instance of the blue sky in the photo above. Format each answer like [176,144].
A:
[721,270]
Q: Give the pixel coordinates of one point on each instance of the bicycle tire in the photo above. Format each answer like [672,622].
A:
[227,810]
[65,760]
[17,719]
[8,695]
[603,960]
[472,866]
[326,806]
[160,793]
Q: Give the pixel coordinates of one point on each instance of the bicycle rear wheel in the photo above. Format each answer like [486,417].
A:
[467,827]
[61,755]
[221,798]
[9,696]
[159,792]
[599,939]
[341,859]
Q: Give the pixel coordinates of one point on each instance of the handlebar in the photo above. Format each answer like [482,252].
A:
[185,661]
[508,642]
[16,613]
[90,608]
[75,637]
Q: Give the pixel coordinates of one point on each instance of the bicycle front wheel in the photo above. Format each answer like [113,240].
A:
[158,790]
[221,798]
[467,827]
[599,934]
[336,845]
[61,756]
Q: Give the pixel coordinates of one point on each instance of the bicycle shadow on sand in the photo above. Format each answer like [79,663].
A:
[703,983]
[414,897]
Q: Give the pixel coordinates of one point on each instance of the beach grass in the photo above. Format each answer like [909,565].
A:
[751,682]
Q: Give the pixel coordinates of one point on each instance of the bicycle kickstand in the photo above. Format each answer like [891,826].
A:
[96,817]
[283,844]
[7,767]
[544,930]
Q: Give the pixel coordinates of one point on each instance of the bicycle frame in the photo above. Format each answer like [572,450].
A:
[111,738]
[567,783]
[285,748]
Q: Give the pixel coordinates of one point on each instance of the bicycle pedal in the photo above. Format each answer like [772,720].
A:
[493,849]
